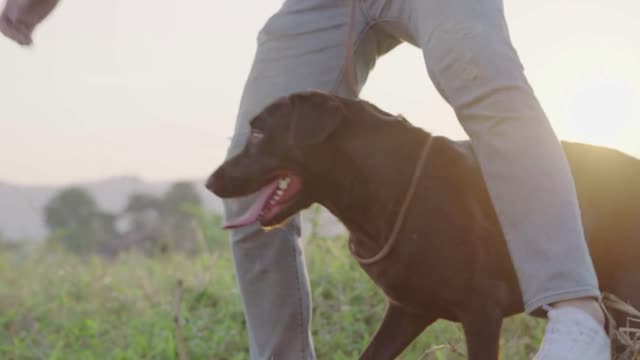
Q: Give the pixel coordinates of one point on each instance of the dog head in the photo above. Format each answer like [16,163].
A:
[288,147]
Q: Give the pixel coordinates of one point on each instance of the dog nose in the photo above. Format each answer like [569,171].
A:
[211,183]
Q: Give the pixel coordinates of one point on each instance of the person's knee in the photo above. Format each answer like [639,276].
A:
[469,62]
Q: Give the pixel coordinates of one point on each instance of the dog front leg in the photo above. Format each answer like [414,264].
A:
[482,331]
[398,328]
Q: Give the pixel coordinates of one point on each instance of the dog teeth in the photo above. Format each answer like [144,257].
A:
[284,183]
[276,197]
[282,186]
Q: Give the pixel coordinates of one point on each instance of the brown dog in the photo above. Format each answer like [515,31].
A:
[450,260]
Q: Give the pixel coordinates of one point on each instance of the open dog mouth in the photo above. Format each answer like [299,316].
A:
[270,203]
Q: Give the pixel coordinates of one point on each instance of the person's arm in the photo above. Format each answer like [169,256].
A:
[20,17]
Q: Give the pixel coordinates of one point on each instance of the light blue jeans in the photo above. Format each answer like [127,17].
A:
[470,59]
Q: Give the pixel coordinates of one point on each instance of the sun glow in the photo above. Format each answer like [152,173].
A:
[602,111]
[594,97]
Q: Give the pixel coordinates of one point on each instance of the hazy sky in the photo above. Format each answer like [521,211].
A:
[151,88]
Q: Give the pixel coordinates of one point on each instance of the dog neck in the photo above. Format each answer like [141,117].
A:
[368,200]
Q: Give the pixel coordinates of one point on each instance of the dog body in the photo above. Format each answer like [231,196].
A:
[450,260]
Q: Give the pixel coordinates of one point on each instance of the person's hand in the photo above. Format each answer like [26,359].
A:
[20,17]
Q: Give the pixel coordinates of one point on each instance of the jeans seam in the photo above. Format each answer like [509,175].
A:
[300,301]
[360,4]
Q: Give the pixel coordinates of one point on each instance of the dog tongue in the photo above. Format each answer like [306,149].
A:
[252,214]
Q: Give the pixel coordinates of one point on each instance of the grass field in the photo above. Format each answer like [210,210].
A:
[58,306]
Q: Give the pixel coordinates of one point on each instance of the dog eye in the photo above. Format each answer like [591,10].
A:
[256,136]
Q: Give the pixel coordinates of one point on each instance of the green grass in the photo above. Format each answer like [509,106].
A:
[58,306]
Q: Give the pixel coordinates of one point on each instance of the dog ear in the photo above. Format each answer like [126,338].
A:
[315,116]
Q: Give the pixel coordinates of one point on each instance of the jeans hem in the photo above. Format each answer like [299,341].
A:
[576,293]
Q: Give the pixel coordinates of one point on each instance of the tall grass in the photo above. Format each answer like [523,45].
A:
[57,306]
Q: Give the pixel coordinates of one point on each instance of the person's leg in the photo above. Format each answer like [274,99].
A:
[473,64]
[301,47]
[471,61]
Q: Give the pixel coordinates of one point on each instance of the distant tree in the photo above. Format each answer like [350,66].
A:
[142,202]
[178,195]
[70,208]
[141,216]
[180,222]
[77,223]
[159,225]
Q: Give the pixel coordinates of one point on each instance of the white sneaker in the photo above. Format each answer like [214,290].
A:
[573,335]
